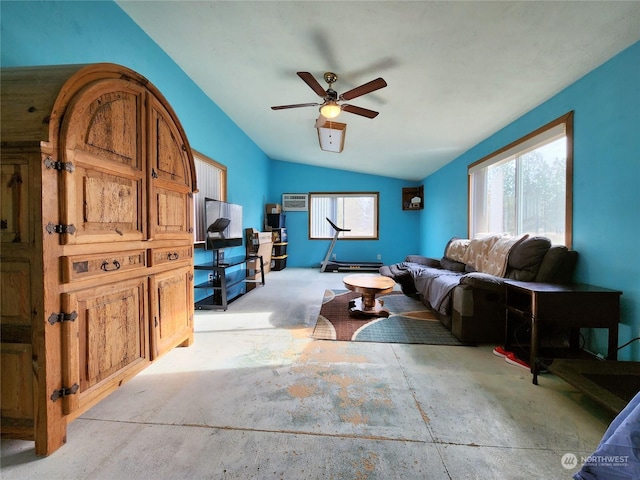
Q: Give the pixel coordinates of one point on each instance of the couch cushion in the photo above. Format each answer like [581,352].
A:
[496,260]
[429,262]
[552,264]
[456,249]
[452,265]
[489,253]
[479,246]
[401,275]
[526,257]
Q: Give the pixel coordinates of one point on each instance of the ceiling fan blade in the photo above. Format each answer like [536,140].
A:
[365,112]
[313,83]
[297,105]
[369,87]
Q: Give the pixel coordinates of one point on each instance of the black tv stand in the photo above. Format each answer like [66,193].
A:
[223,277]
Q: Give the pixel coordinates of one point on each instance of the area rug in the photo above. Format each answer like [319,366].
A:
[410,321]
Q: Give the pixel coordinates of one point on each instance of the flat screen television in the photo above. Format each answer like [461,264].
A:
[223,223]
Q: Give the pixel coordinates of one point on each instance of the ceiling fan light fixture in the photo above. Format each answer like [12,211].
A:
[330,109]
[331,136]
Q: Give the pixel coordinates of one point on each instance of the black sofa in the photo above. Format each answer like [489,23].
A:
[468,300]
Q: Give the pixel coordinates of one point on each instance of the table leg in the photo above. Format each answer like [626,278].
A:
[369,301]
[612,353]
[535,341]
[358,308]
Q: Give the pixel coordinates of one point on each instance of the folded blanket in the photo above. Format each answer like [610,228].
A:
[490,253]
[436,293]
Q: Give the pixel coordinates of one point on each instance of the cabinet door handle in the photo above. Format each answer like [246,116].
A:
[105,266]
[173,256]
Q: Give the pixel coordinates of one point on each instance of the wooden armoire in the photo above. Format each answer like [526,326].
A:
[96,240]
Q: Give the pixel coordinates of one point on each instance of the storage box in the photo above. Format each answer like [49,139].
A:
[272,208]
[279,250]
[276,220]
[280,235]
[278,263]
[259,243]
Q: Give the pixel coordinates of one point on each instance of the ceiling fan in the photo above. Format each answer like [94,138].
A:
[330,108]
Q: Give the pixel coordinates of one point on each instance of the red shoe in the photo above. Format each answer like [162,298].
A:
[500,352]
[513,360]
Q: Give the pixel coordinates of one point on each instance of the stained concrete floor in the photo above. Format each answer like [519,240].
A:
[256,398]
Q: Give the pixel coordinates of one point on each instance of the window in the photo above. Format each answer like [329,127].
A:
[212,183]
[526,187]
[355,211]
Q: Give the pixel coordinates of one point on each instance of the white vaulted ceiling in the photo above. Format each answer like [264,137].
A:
[456,71]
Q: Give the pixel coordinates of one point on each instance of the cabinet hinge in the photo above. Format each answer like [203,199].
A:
[65,391]
[190,194]
[67,166]
[62,317]
[60,228]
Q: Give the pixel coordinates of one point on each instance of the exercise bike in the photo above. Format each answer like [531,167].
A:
[335,266]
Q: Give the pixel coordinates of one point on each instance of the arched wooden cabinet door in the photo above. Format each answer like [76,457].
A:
[170,214]
[95,165]
[103,142]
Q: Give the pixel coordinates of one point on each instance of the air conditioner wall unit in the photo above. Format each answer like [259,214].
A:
[295,202]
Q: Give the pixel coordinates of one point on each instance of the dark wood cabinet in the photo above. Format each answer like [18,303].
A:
[543,307]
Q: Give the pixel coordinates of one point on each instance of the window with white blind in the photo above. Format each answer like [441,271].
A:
[355,211]
[526,187]
[212,183]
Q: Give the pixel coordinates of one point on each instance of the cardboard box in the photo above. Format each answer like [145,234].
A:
[264,250]
[254,239]
[253,274]
[272,208]
[260,243]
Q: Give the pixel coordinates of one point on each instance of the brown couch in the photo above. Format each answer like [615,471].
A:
[468,300]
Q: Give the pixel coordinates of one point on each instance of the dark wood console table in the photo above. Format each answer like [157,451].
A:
[572,306]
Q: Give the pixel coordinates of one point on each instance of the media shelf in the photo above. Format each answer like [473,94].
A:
[227,277]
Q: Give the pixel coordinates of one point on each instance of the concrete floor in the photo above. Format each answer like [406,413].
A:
[256,398]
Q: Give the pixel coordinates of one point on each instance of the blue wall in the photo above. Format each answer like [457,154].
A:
[607,152]
[48,33]
[399,229]
[606,185]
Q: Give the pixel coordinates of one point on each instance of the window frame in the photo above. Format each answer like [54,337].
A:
[202,192]
[512,149]
[369,194]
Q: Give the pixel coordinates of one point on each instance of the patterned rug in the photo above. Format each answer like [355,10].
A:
[410,321]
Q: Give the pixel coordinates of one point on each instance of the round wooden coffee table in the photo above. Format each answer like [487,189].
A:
[369,286]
